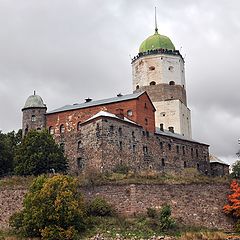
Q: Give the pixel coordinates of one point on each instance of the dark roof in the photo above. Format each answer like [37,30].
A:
[98,102]
[176,135]
[214,159]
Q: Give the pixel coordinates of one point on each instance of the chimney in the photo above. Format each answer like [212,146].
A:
[88,100]
[171,129]
[119,113]
[161,127]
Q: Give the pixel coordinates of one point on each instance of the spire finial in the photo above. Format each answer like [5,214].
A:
[156,28]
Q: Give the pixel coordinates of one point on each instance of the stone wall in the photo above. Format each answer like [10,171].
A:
[104,142]
[192,204]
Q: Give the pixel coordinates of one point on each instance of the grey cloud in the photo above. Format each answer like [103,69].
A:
[70,50]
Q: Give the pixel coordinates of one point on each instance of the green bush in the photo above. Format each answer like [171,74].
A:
[100,207]
[52,209]
[161,221]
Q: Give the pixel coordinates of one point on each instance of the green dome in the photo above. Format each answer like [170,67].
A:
[34,101]
[156,41]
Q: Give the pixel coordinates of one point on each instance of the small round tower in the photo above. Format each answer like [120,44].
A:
[34,112]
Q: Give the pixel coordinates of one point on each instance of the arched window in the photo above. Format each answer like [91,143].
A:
[79,144]
[62,128]
[78,126]
[137,87]
[51,130]
[152,83]
[146,121]
[129,113]
[172,83]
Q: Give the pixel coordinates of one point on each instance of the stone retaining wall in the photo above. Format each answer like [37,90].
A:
[192,204]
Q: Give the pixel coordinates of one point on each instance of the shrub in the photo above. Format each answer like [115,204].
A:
[165,219]
[100,207]
[52,209]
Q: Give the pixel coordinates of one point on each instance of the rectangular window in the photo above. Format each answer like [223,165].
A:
[33,118]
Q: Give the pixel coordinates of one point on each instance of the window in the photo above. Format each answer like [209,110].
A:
[147,133]
[129,113]
[134,148]
[171,83]
[143,132]
[145,150]
[169,147]
[62,128]
[120,146]
[146,121]
[51,130]
[192,152]
[79,126]
[145,105]
[170,68]
[133,135]
[184,164]
[162,114]
[183,150]
[80,164]
[177,149]
[120,131]
[26,130]
[79,145]
[152,83]
[161,145]
[137,87]
[38,129]
[198,166]
[163,162]
[33,118]
[197,152]
[151,68]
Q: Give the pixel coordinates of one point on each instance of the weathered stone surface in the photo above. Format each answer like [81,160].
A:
[192,204]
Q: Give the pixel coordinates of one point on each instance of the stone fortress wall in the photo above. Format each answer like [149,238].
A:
[192,204]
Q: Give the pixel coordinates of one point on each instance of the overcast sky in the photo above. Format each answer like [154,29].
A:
[70,50]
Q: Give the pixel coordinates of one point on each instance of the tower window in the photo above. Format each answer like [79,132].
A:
[51,130]
[62,128]
[151,68]
[172,83]
[170,68]
[152,83]
[137,87]
[33,118]
[162,114]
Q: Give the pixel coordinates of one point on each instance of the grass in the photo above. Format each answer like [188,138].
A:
[188,176]
[15,182]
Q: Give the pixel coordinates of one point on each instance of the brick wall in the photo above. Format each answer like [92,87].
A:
[192,204]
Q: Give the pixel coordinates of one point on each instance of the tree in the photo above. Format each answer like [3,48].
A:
[233,208]
[6,156]
[38,153]
[52,209]
[236,169]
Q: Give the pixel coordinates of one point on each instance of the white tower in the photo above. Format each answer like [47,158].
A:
[159,69]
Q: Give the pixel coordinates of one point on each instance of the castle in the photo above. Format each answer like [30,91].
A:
[148,129]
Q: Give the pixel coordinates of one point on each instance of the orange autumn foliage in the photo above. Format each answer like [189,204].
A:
[233,208]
